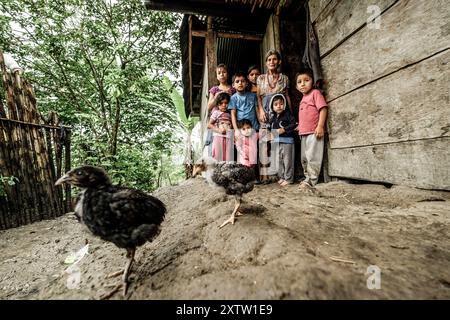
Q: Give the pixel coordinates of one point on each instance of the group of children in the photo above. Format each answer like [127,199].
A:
[258,108]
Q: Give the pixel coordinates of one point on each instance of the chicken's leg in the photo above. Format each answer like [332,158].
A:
[130,256]
[233,214]
[125,273]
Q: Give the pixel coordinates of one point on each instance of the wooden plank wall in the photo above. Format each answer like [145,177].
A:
[386,65]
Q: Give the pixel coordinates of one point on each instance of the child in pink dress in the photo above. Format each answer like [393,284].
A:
[220,124]
[247,144]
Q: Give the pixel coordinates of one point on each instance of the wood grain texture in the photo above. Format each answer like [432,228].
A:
[316,7]
[409,31]
[421,164]
[407,105]
[341,18]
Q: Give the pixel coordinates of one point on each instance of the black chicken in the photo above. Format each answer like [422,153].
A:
[235,179]
[124,216]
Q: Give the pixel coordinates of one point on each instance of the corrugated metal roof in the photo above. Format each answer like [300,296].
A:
[267,4]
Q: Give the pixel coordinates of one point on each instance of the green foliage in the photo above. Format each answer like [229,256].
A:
[100,66]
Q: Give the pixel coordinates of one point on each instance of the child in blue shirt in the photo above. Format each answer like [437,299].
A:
[243,104]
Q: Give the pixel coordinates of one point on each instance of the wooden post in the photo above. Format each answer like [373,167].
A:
[276,32]
[211,38]
[190,64]
[67,168]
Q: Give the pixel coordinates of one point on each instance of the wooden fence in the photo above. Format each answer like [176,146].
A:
[34,152]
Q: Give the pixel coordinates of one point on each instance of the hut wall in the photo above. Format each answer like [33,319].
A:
[386,65]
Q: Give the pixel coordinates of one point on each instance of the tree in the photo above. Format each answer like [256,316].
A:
[100,65]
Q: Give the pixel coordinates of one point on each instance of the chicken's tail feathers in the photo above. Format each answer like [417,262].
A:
[158,206]
[144,233]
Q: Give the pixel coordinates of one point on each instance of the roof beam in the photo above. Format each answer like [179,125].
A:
[210,8]
[202,34]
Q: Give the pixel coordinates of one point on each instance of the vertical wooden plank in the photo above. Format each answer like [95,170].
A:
[18,213]
[67,168]
[2,108]
[190,62]
[211,43]
[276,32]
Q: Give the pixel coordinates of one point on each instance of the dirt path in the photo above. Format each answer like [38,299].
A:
[290,245]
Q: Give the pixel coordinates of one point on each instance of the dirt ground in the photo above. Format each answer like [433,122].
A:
[288,245]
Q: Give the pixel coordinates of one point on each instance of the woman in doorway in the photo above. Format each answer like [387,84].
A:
[268,84]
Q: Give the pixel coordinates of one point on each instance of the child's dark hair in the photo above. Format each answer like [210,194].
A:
[307,71]
[243,122]
[278,98]
[221,96]
[239,74]
[223,66]
[253,67]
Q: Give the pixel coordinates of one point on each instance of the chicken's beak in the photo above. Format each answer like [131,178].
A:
[196,171]
[63,179]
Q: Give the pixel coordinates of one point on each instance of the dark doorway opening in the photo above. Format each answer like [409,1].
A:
[238,54]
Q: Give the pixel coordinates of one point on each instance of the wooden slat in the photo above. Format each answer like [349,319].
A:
[250,37]
[341,18]
[410,31]
[316,7]
[190,62]
[410,104]
[271,38]
[422,164]
[67,167]
[211,53]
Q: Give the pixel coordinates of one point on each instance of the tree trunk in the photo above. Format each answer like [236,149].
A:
[115,129]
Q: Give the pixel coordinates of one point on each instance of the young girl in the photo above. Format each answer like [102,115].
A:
[312,115]
[246,144]
[220,125]
[253,74]
[222,77]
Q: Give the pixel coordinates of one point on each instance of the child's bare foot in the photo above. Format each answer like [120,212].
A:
[281,181]
[305,186]
[284,183]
